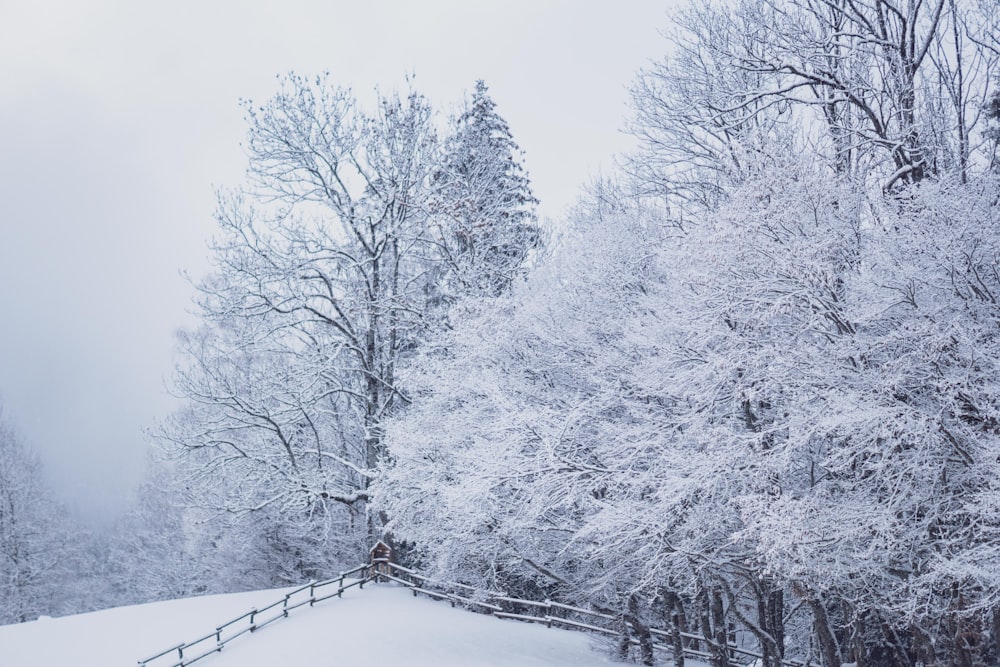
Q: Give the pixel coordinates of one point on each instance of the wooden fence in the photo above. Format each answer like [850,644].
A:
[188,653]
[553,613]
[548,612]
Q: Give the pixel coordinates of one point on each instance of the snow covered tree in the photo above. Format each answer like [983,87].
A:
[993,132]
[779,418]
[496,414]
[317,292]
[886,90]
[483,203]
[356,229]
[149,549]
[39,559]
[698,131]
[768,404]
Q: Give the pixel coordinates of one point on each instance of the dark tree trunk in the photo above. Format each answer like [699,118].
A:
[860,655]
[685,626]
[900,656]
[640,630]
[829,650]
[967,633]
[771,623]
[721,652]
[704,620]
[991,654]
[677,625]
[713,627]
[776,624]
[624,641]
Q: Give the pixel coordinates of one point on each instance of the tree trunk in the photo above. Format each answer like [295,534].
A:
[967,633]
[721,652]
[704,620]
[860,655]
[829,650]
[677,625]
[640,630]
[895,645]
[772,622]
[624,641]
[713,627]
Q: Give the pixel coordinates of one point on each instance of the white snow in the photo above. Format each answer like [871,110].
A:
[382,624]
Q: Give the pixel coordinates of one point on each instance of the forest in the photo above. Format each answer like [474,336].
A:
[747,387]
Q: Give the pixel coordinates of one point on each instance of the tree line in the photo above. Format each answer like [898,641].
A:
[753,393]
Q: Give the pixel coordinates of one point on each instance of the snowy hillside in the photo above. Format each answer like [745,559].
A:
[381,624]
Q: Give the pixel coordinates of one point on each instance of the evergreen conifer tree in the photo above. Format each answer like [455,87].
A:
[483,202]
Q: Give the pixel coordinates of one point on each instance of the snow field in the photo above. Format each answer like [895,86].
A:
[380,625]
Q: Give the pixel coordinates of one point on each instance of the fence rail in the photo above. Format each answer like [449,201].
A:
[549,612]
[188,653]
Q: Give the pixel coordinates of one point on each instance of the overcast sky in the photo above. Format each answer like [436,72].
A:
[119,118]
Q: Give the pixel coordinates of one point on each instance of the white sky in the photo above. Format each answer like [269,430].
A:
[118,118]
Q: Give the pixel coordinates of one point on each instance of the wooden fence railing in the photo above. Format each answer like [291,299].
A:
[549,612]
[188,653]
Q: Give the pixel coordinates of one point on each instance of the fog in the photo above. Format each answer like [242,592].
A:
[119,119]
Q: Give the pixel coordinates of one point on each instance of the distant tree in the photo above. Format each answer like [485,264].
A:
[483,203]
[699,132]
[149,553]
[39,549]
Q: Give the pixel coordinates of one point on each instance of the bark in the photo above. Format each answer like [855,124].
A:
[776,622]
[895,645]
[713,627]
[721,651]
[991,655]
[685,626]
[703,618]
[829,650]
[640,630]
[860,655]
[967,633]
[674,613]
[624,642]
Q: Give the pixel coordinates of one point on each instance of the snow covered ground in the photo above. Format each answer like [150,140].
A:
[380,625]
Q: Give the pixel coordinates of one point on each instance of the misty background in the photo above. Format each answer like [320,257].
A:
[119,119]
